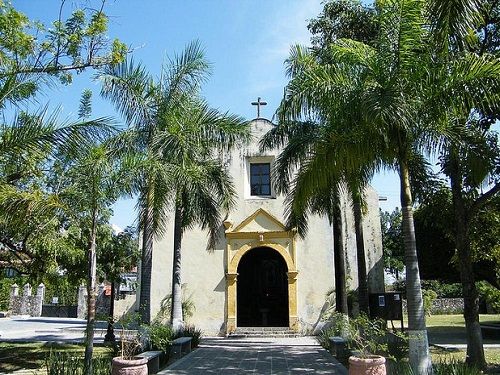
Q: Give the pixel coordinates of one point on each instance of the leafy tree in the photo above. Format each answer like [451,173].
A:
[392,242]
[351,19]
[343,19]
[33,53]
[95,185]
[119,254]
[390,102]
[137,97]
[472,164]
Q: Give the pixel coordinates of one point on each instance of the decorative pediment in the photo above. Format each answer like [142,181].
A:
[259,222]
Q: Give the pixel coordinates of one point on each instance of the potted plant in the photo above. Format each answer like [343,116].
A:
[130,343]
[366,337]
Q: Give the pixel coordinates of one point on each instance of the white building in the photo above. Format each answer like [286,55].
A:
[260,274]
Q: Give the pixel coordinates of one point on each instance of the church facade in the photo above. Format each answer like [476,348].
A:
[260,274]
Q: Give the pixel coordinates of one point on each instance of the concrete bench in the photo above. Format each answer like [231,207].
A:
[338,348]
[180,347]
[153,358]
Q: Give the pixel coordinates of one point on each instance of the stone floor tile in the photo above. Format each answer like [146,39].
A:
[300,355]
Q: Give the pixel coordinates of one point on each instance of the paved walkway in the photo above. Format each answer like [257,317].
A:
[69,330]
[299,355]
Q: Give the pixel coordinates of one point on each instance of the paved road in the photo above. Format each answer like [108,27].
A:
[47,329]
[299,355]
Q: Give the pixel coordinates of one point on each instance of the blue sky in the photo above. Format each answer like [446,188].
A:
[247,42]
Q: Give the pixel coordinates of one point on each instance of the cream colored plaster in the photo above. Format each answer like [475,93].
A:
[205,274]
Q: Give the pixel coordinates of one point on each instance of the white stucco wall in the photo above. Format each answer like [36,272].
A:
[203,272]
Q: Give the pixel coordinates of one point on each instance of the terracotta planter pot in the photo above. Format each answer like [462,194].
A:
[136,366]
[371,365]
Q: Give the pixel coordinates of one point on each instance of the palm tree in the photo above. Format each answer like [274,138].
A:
[94,187]
[166,124]
[300,140]
[366,97]
[191,143]
[385,105]
[144,104]
[357,183]
[469,164]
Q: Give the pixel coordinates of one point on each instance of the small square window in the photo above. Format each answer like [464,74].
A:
[260,179]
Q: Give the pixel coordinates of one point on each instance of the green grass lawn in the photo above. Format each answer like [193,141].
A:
[451,329]
[458,320]
[15,356]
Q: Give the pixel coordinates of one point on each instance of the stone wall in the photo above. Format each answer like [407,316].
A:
[26,304]
[447,306]
[122,306]
[441,306]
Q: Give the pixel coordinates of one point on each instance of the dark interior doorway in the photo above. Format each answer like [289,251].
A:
[262,294]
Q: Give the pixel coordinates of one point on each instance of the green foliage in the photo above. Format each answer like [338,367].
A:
[29,49]
[190,331]
[117,253]
[160,337]
[485,241]
[165,313]
[490,294]
[450,367]
[338,325]
[67,363]
[63,288]
[85,109]
[343,19]
[367,335]
[442,289]
[5,284]
[397,345]
[392,241]
[362,334]
[429,296]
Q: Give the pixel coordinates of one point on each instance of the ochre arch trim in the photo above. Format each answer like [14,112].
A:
[233,265]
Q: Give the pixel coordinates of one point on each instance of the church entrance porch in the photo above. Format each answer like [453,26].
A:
[262,291]
[261,274]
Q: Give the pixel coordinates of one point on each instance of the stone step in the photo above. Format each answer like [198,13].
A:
[279,332]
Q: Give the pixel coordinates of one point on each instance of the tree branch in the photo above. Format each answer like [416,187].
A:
[484,198]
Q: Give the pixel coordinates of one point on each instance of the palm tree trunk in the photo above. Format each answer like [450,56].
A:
[91,288]
[475,351]
[361,257]
[177,322]
[147,258]
[339,262]
[420,359]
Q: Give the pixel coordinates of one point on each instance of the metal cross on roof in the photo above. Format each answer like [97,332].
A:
[258,103]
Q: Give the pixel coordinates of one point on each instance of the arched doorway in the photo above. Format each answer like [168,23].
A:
[262,290]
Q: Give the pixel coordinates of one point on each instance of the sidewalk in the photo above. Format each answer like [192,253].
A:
[27,329]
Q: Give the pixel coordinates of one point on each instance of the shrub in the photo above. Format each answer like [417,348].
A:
[429,296]
[339,327]
[160,337]
[190,331]
[367,336]
[397,345]
[452,367]
[67,363]
[490,294]
[442,289]
[361,333]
